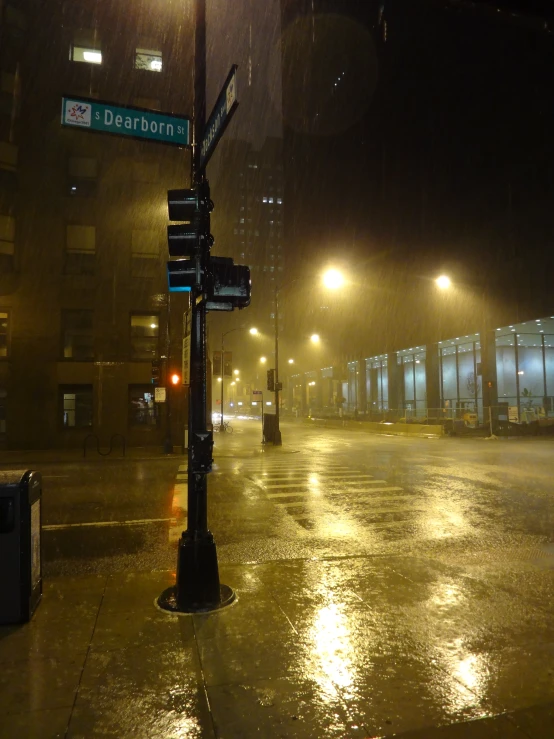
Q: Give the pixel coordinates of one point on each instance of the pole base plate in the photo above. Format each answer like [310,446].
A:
[168,601]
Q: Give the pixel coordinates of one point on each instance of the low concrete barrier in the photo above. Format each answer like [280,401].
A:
[374,427]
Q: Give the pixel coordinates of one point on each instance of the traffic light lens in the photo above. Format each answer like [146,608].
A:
[175,379]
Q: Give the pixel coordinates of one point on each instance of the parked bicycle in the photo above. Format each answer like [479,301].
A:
[227,428]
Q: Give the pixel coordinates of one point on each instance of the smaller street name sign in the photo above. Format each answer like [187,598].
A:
[224,108]
[121,120]
[256,392]
[159,394]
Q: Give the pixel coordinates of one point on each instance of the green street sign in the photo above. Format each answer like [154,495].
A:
[120,120]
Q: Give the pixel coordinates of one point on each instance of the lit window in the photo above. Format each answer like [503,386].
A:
[264,200]
[270,200]
[149,59]
[143,410]
[85,54]
[76,405]
[86,47]
[145,330]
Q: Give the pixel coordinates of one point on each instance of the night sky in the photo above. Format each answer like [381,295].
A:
[432,154]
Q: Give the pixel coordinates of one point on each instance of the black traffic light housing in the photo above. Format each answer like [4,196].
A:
[224,284]
[271,380]
[193,206]
[229,285]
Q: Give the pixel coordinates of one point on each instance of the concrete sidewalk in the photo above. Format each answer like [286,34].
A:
[337,648]
[418,643]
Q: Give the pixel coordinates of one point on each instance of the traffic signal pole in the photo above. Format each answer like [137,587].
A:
[277,441]
[198,587]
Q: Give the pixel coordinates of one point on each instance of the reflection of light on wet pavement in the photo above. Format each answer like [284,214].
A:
[179,505]
[331,649]
[443,519]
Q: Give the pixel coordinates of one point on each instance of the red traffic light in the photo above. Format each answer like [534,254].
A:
[175,379]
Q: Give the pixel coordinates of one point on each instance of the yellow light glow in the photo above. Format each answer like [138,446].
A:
[443,282]
[175,379]
[236,372]
[95,57]
[263,360]
[333,279]
[219,379]
[291,361]
[254,331]
[314,338]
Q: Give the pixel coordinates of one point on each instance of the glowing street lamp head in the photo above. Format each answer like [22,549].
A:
[314,338]
[175,379]
[443,282]
[263,360]
[291,361]
[254,331]
[333,279]
[236,372]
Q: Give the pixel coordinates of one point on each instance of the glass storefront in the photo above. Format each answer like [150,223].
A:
[461,388]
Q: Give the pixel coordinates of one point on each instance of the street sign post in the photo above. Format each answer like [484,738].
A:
[221,115]
[121,120]
[185,375]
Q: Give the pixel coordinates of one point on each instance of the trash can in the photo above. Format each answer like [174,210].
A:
[269,427]
[20,545]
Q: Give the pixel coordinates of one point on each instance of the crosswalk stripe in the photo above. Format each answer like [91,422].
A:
[313,495]
[374,526]
[311,498]
[320,475]
[312,486]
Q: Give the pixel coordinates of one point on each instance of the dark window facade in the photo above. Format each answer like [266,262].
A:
[3,398]
[77,334]
[76,406]
[80,255]
[82,173]
[4,333]
[145,331]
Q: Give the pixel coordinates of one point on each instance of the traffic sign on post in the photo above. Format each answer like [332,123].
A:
[222,113]
[124,120]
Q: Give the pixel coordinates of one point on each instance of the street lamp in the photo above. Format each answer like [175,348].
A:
[443,282]
[333,279]
[314,338]
[254,332]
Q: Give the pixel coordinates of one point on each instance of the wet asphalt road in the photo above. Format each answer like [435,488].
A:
[326,492]
[384,585]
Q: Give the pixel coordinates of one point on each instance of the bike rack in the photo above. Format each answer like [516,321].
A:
[104,454]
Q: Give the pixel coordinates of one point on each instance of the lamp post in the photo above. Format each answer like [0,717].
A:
[254,332]
[277,440]
[488,351]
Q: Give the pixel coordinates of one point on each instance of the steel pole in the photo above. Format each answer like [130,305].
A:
[221,427]
[198,585]
[277,440]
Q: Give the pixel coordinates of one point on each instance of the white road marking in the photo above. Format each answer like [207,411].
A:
[137,522]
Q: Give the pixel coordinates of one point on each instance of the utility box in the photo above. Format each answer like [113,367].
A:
[269,428]
[20,545]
